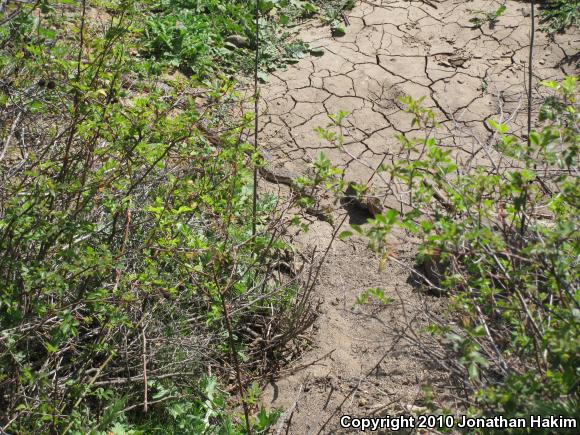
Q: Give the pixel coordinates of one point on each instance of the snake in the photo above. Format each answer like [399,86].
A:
[275,173]
[270,171]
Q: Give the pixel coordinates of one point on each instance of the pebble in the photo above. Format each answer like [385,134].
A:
[238,41]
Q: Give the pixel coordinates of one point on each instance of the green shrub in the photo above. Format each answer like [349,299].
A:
[501,240]
[131,279]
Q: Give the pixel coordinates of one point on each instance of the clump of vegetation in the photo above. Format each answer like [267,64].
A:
[490,18]
[134,289]
[555,15]
[335,18]
[204,37]
[559,15]
[501,240]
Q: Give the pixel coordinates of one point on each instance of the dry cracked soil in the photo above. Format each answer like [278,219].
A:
[360,363]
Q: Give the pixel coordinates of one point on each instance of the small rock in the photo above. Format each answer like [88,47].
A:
[238,41]
[363,402]
[317,52]
[457,62]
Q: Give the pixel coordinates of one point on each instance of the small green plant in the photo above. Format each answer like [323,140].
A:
[308,9]
[334,16]
[490,18]
[206,413]
[373,293]
[559,15]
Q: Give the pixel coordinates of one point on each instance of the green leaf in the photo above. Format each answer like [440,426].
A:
[345,235]
[36,107]
[473,371]
[338,31]
[500,128]
[266,6]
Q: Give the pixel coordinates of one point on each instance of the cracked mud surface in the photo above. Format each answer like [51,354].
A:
[467,75]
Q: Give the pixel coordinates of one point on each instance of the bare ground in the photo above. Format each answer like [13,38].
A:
[359,362]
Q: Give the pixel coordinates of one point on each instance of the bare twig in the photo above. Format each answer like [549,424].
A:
[10,134]
[287,416]
[531,67]
[144,369]
[256,114]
